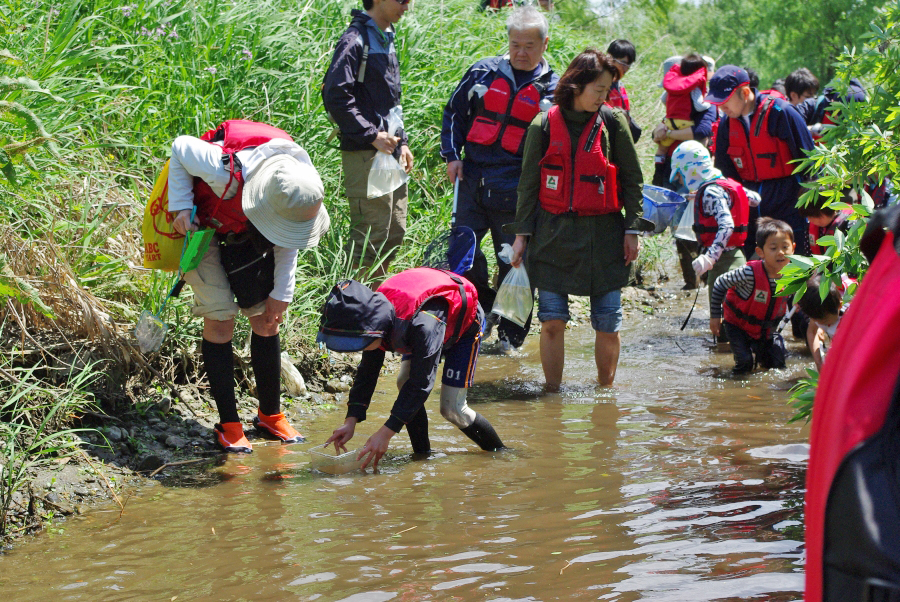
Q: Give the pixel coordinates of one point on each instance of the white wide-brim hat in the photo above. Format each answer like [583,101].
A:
[283,199]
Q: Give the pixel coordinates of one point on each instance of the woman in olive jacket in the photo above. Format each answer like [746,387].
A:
[579,217]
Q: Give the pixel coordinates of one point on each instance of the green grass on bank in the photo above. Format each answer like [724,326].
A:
[120,81]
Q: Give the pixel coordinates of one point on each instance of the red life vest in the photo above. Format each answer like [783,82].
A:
[714,131]
[761,311]
[618,97]
[853,400]
[815,232]
[585,185]
[678,89]
[227,215]
[706,225]
[504,116]
[759,155]
[410,289]
[773,93]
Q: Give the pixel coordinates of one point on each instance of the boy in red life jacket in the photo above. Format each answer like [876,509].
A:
[824,221]
[685,86]
[623,56]
[260,191]
[824,314]
[425,314]
[721,210]
[752,311]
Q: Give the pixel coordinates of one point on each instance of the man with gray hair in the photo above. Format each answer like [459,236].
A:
[483,136]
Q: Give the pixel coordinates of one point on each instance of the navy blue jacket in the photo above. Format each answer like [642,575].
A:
[499,169]
[779,196]
[813,109]
[361,110]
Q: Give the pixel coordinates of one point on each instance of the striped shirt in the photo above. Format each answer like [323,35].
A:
[741,280]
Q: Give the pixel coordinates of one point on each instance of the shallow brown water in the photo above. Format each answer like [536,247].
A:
[670,486]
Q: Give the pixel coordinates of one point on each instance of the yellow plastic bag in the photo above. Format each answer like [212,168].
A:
[162,244]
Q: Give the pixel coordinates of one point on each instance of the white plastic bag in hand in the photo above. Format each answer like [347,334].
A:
[514,300]
[386,174]
[685,228]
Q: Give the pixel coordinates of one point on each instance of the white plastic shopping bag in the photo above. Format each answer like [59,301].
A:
[685,228]
[387,175]
[514,300]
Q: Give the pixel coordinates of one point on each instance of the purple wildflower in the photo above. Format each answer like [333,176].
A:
[247,55]
[212,70]
[127,10]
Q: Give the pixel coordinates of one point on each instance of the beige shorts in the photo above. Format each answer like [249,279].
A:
[213,297]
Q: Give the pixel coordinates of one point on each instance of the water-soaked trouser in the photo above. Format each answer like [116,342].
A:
[486,210]
[769,351]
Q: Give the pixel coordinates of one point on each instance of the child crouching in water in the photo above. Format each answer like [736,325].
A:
[824,315]
[752,311]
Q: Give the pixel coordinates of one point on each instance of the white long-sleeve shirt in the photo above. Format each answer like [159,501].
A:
[192,157]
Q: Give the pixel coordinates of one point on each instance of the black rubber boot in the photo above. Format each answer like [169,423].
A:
[482,433]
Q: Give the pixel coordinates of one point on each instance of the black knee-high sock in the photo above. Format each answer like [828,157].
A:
[482,433]
[265,356]
[219,362]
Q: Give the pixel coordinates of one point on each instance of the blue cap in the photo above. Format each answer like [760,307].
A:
[724,82]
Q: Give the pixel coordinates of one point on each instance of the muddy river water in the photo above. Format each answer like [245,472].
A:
[677,484]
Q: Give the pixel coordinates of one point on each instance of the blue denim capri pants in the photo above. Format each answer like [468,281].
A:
[606,309]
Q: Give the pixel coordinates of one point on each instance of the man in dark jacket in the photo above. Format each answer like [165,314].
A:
[361,87]
[784,127]
[487,116]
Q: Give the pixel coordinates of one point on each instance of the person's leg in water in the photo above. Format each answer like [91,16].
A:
[417,428]
[772,352]
[218,359]
[741,348]
[553,313]
[606,319]
[459,374]
[265,357]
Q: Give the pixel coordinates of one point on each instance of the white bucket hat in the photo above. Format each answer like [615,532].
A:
[283,199]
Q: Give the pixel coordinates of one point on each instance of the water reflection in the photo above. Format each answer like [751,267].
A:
[673,485]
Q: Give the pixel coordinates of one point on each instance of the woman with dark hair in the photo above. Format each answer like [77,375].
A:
[579,172]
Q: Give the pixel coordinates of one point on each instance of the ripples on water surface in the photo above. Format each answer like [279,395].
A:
[671,486]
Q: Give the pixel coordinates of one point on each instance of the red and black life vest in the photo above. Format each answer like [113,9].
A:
[773,93]
[852,509]
[410,289]
[678,89]
[761,311]
[815,232]
[227,215]
[618,97]
[504,116]
[706,226]
[584,184]
[759,155]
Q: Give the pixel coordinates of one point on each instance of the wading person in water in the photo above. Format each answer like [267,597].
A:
[485,120]
[425,314]
[261,193]
[580,173]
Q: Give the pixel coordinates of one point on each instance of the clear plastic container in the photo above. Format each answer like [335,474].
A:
[332,464]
